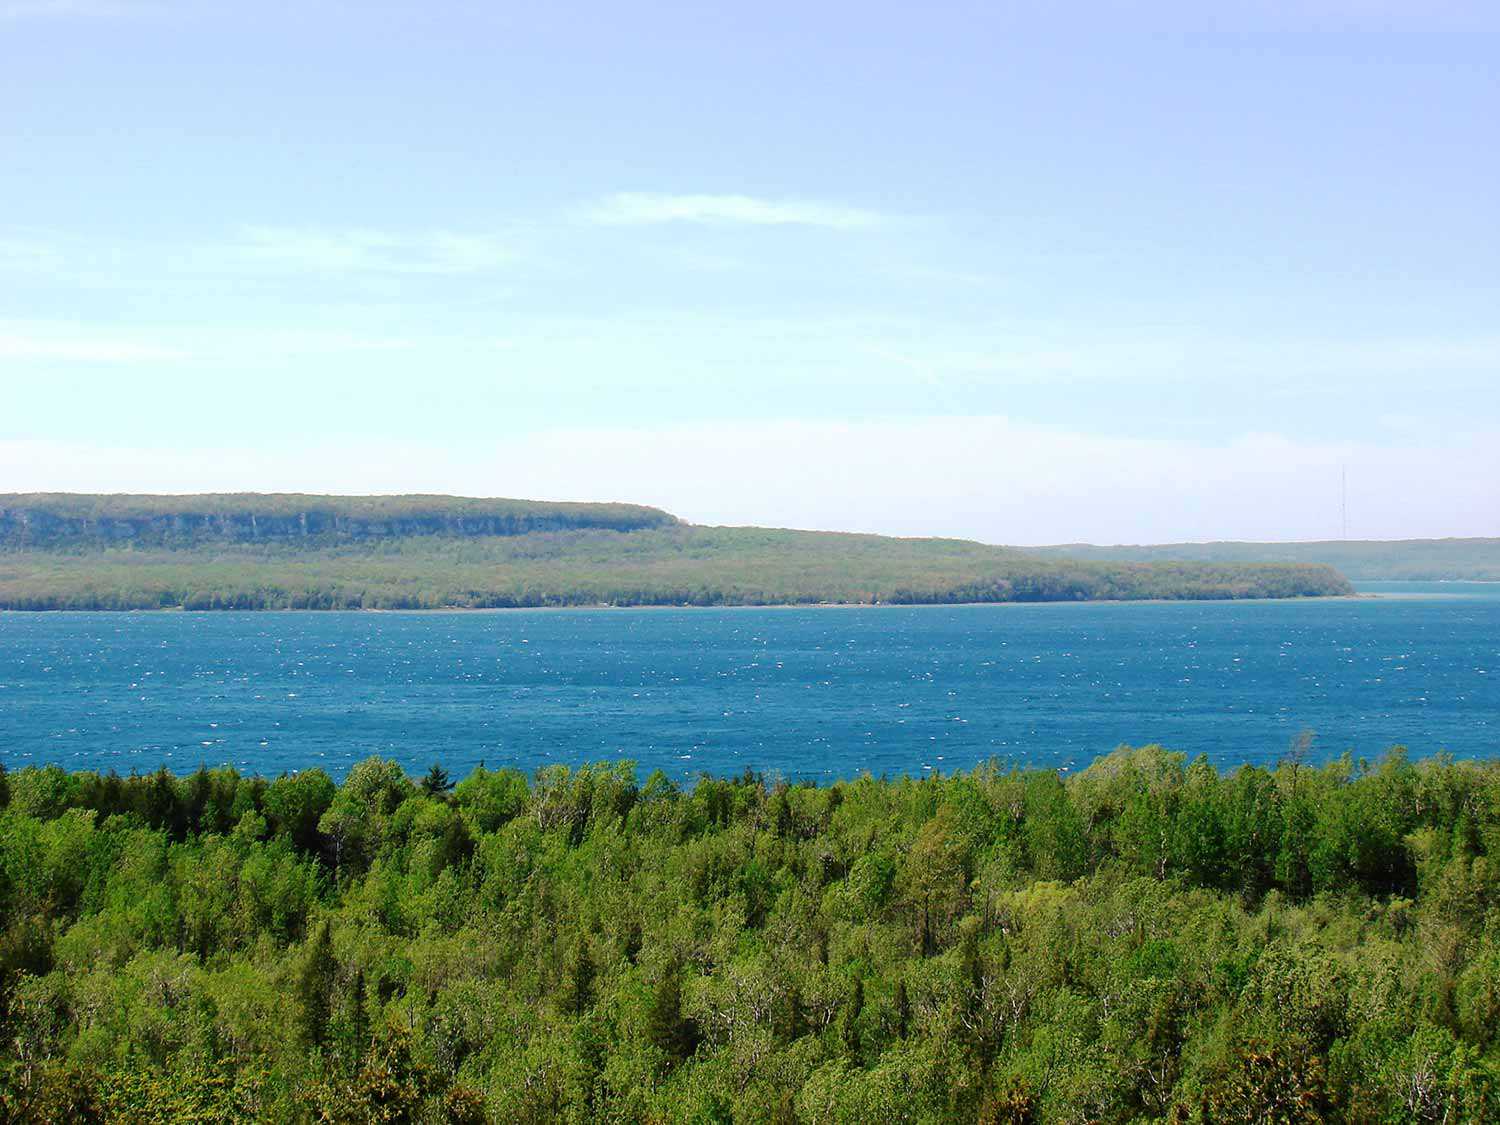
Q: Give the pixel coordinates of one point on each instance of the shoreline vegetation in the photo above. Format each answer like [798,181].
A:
[1149,939]
[65,551]
[1366,560]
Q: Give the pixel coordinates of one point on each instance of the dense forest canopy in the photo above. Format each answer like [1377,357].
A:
[389,553]
[1362,560]
[59,519]
[1149,939]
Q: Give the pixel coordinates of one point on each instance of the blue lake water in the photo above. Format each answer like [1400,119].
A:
[815,693]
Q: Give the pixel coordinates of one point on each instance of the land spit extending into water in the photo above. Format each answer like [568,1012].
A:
[1360,560]
[254,551]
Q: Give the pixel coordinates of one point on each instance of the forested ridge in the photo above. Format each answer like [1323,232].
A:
[297,552]
[1370,560]
[74,520]
[1149,939]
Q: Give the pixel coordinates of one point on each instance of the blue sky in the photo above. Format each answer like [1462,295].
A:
[960,270]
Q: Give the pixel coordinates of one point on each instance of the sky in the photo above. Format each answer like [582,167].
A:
[1108,273]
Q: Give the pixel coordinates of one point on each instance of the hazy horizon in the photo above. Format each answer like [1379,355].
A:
[783,527]
[971,271]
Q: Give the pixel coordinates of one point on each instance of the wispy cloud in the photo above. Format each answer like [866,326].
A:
[63,9]
[52,341]
[642,208]
[294,343]
[1177,355]
[82,348]
[316,250]
[253,252]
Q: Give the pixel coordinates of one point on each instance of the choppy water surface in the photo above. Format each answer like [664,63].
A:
[802,692]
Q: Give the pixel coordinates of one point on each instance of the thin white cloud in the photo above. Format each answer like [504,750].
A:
[82,348]
[315,250]
[75,9]
[644,208]
[294,343]
[1195,355]
[43,341]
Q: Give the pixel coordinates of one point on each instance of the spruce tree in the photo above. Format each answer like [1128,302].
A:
[666,1027]
[315,988]
[436,783]
[577,990]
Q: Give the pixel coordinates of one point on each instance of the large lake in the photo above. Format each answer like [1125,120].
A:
[815,693]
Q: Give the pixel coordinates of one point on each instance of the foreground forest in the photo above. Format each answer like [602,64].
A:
[420,552]
[1146,940]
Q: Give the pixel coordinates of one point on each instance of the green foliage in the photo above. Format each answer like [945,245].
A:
[436,783]
[295,804]
[1431,560]
[315,979]
[453,560]
[45,519]
[1146,940]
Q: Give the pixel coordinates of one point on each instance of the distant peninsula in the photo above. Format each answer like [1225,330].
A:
[66,551]
[1363,560]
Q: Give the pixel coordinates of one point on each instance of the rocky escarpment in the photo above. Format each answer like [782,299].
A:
[67,519]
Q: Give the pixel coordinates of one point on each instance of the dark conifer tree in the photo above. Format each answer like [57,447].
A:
[849,1018]
[436,783]
[577,991]
[903,1010]
[315,988]
[666,1026]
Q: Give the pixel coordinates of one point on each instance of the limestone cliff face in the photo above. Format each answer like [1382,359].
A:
[65,519]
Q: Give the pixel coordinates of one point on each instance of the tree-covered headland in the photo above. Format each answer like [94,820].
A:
[1431,560]
[64,551]
[1147,940]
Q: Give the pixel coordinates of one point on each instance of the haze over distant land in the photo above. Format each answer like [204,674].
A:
[981,272]
[256,551]
[991,479]
[1367,560]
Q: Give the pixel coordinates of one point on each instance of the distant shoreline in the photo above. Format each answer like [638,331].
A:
[594,607]
[433,553]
